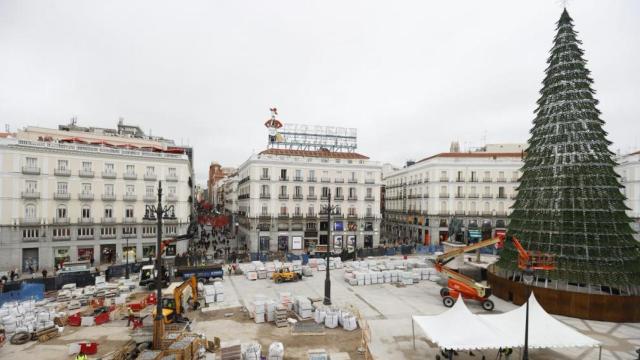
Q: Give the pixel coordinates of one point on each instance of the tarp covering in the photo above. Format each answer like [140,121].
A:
[459,329]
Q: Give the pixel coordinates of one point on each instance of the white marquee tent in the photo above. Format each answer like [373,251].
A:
[460,329]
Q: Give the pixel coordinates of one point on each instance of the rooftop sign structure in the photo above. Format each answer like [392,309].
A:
[309,137]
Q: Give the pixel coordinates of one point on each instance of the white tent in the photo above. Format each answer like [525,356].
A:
[459,329]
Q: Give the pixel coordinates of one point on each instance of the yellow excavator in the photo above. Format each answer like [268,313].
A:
[177,298]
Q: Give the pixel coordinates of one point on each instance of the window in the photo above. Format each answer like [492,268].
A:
[460,176]
[85,231]
[62,187]
[265,190]
[86,212]
[151,170]
[338,192]
[105,231]
[297,210]
[283,174]
[443,190]
[311,211]
[63,164]
[369,192]
[30,233]
[283,190]
[128,212]
[86,188]
[86,166]
[265,210]
[486,207]
[108,212]
[109,168]
[352,192]
[298,174]
[61,232]
[353,176]
[32,162]
[298,190]
[473,190]
[31,186]
[338,210]
[460,191]
[172,171]
[61,212]
[149,190]
[352,211]
[501,193]
[129,230]
[369,211]
[443,207]
[312,174]
[487,190]
[283,209]
[487,176]
[30,211]
[311,190]
[172,190]
[473,206]
[311,226]
[325,191]
[108,189]
[131,189]
[443,175]
[265,173]
[501,175]
[131,169]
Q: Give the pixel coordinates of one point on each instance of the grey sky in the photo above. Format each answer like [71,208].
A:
[410,75]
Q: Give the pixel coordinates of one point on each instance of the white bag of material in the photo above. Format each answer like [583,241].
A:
[251,351]
[74,348]
[331,320]
[219,297]
[259,318]
[349,322]
[374,278]
[319,316]
[276,351]
[87,321]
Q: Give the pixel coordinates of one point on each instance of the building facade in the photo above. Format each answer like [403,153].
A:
[477,188]
[216,173]
[80,193]
[281,194]
[629,170]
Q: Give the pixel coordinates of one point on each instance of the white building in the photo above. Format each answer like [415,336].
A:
[477,187]
[629,171]
[281,194]
[76,193]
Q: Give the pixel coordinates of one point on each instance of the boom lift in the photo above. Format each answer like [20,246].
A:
[458,284]
[533,260]
[175,299]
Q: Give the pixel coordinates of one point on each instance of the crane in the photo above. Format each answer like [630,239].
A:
[459,284]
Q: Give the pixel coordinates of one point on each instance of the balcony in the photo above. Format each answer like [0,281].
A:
[444,179]
[459,196]
[264,217]
[501,213]
[352,181]
[296,216]
[443,196]
[62,236]
[30,194]
[369,181]
[501,180]
[369,198]
[150,177]
[148,234]
[61,172]
[128,235]
[369,217]
[311,179]
[460,179]
[324,198]
[443,213]
[337,215]
[338,180]
[459,212]
[130,176]
[352,216]
[129,220]
[86,173]
[107,236]
[325,180]
[298,197]
[501,196]
[85,196]
[243,196]
[353,198]
[86,237]
[312,197]
[283,196]
[486,180]
[472,213]
[311,216]
[108,197]
[31,170]
[265,177]
[171,197]
[298,178]
[85,220]
[108,220]
[149,198]
[487,196]
[174,178]
[338,197]
[30,221]
[109,174]
[129,197]
[60,221]
[473,179]
[265,196]
[473,196]
[283,216]
[283,178]
[487,213]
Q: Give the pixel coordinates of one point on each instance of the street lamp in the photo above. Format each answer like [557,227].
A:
[158,212]
[126,269]
[327,281]
[527,276]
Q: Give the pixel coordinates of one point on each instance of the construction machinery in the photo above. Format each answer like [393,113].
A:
[462,285]
[533,260]
[177,298]
[285,274]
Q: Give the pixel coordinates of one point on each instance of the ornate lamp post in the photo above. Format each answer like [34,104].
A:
[327,281]
[126,269]
[153,212]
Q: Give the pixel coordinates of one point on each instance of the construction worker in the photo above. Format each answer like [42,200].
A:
[131,316]
[81,356]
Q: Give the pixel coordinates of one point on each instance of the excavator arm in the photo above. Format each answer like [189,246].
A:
[178,292]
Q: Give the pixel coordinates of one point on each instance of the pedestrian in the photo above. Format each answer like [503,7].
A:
[12,275]
[131,316]
[81,356]
[92,260]
[30,269]
[44,273]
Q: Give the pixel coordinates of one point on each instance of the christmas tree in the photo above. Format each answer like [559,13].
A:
[569,201]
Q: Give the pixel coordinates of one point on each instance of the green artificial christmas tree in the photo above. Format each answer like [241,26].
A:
[569,201]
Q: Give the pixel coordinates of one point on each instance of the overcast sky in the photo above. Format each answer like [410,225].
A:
[411,75]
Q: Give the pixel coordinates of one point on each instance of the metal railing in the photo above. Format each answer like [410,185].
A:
[109,174]
[150,176]
[108,197]
[84,173]
[31,170]
[85,196]
[130,176]
[174,178]
[31,194]
[85,220]
[129,197]
[61,172]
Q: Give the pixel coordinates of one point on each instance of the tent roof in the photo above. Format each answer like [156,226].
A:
[459,329]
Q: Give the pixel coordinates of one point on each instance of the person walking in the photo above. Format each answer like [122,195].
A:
[44,273]
[131,316]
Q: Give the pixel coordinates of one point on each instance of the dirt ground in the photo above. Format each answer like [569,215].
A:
[239,328]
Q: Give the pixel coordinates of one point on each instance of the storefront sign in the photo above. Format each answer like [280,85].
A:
[296,242]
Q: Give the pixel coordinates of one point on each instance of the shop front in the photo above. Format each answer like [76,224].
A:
[263,244]
[351,243]
[310,240]
[368,241]
[30,259]
[107,253]
[129,254]
[283,243]
[85,253]
[148,251]
[61,255]
[337,243]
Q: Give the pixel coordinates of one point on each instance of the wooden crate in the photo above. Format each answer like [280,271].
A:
[181,349]
[231,353]
[150,355]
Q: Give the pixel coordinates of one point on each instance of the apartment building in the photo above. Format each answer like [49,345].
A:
[75,193]
[282,194]
[476,187]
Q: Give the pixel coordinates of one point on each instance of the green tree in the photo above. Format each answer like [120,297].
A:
[569,201]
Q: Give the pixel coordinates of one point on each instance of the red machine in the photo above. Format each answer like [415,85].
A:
[533,260]
[458,284]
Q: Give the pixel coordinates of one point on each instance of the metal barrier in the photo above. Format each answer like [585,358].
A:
[26,292]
